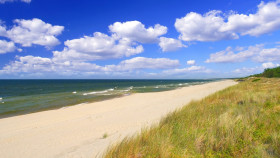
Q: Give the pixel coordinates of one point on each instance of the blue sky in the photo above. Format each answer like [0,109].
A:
[138,39]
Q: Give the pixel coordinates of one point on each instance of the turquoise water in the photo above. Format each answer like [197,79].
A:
[26,96]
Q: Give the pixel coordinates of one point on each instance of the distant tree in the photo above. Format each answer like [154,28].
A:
[269,72]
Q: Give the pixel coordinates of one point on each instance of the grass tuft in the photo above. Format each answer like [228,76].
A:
[240,121]
[105,135]
[256,80]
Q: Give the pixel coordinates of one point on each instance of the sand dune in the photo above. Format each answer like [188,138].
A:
[77,131]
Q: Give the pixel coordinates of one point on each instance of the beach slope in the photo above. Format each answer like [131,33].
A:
[86,130]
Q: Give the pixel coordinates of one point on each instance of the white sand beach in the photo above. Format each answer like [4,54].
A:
[77,131]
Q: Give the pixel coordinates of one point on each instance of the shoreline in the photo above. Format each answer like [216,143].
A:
[77,131]
[12,114]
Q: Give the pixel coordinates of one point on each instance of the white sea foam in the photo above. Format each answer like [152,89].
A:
[74,92]
[1,98]
[99,92]
[161,86]
[128,89]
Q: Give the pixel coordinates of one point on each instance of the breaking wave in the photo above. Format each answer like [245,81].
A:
[99,92]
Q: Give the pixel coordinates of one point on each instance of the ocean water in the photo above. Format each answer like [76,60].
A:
[27,96]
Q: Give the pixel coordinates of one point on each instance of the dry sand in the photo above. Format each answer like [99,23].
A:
[77,131]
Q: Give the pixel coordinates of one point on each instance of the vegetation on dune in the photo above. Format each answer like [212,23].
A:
[240,121]
[272,72]
[105,135]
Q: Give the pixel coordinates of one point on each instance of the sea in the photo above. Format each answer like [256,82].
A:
[19,97]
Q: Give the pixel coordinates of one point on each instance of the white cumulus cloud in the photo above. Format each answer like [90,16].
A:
[6,47]
[213,26]
[136,31]
[190,62]
[268,55]
[229,56]
[145,63]
[269,65]
[256,53]
[97,47]
[2,30]
[170,44]
[34,64]
[35,31]
[28,64]
[264,21]
[191,69]
[207,27]
[246,71]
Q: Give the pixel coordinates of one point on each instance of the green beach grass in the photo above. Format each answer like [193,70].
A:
[240,121]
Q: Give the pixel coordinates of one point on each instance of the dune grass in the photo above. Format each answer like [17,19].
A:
[240,121]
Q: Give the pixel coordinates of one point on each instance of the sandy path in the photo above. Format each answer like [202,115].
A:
[77,131]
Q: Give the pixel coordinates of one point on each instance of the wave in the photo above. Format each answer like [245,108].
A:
[140,87]
[99,92]
[183,84]
[162,86]
[74,92]
[1,98]
[128,89]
